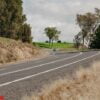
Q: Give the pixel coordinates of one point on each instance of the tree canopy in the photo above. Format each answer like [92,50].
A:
[52,33]
[12,20]
[88,24]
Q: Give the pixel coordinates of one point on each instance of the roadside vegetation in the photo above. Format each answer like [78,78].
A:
[89,35]
[13,22]
[12,50]
[85,85]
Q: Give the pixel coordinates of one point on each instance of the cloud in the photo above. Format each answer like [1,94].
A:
[59,13]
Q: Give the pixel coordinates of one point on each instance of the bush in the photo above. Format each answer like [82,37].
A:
[59,41]
[95,41]
[46,41]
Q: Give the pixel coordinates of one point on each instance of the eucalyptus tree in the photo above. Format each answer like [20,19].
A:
[86,23]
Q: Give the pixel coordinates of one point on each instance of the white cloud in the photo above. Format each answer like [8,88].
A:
[59,13]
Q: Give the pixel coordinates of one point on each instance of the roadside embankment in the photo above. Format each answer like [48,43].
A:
[11,51]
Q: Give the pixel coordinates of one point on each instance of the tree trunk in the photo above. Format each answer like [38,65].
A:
[49,42]
[52,43]
[83,43]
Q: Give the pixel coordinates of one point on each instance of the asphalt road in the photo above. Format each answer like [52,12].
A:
[17,80]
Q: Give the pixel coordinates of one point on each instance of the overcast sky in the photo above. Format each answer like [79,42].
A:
[58,13]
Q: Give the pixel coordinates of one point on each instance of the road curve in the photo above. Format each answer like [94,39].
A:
[19,79]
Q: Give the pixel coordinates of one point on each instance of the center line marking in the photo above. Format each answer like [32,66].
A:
[3,74]
[28,77]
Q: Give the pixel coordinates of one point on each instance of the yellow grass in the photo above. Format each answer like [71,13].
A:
[85,86]
[11,50]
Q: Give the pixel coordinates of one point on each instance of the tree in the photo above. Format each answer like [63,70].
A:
[24,33]
[52,33]
[77,41]
[11,18]
[59,41]
[84,34]
[89,24]
[86,23]
[95,40]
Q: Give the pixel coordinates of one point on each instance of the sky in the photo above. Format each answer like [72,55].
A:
[56,13]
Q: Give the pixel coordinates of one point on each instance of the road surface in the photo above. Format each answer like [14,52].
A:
[19,79]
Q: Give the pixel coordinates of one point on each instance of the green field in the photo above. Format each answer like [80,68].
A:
[55,45]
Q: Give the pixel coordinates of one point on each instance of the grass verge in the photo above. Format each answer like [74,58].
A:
[84,86]
[55,45]
[12,50]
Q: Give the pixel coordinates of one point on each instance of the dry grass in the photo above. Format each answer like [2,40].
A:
[85,86]
[11,50]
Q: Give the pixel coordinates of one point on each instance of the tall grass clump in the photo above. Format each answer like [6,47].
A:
[84,86]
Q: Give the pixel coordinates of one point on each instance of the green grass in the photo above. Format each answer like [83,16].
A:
[55,45]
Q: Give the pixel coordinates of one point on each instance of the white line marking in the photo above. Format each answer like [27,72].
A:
[28,77]
[22,62]
[3,74]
